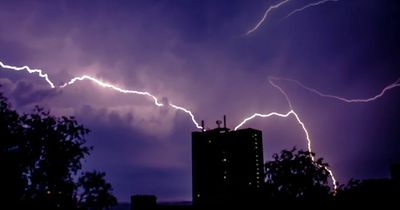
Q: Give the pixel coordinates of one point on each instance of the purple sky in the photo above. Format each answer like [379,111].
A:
[193,53]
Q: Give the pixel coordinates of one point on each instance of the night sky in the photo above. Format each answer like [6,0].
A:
[194,53]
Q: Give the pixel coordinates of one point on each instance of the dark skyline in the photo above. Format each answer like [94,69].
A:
[195,54]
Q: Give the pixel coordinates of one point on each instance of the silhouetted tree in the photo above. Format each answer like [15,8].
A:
[95,191]
[40,154]
[13,159]
[351,191]
[293,176]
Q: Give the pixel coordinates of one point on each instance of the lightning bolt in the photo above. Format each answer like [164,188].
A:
[357,100]
[101,84]
[107,85]
[360,100]
[29,70]
[270,80]
[179,108]
[299,121]
[261,21]
[265,16]
[308,6]
[189,113]
[291,112]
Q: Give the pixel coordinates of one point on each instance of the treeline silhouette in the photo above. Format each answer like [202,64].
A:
[40,159]
[294,180]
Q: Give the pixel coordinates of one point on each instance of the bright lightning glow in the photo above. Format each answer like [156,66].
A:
[308,6]
[188,112]
[333,180]
[357,100]
[39,71]
[291,112]
[265,16]
[102,84]
[107,85]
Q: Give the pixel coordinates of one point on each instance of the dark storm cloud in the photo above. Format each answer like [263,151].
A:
[194,54]
[24,93]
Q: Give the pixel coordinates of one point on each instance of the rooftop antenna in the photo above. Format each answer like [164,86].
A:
[202,126]
[225,121]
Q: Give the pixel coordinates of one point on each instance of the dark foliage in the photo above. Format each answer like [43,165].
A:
[297,177]
[95,191]
[40,155]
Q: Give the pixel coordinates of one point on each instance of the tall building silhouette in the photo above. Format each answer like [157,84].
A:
[227,166]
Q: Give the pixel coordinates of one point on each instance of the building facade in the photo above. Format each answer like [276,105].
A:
[227,166]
